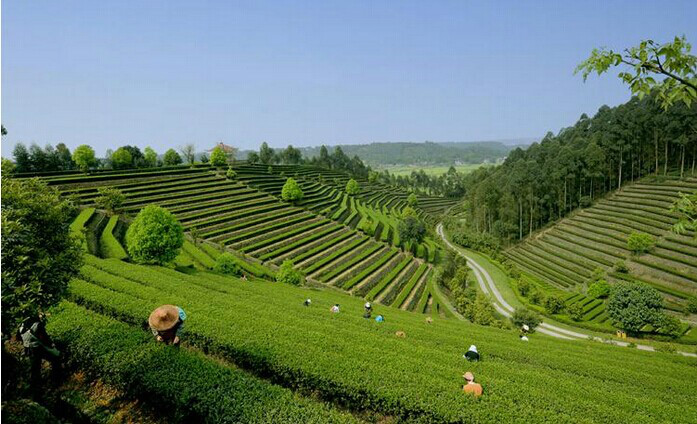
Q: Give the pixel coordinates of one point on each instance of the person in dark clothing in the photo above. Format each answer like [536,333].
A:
[167,323]
[472,354]
[39,346]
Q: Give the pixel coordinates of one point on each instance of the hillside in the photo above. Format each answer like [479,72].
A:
[562,258]
[246,216]
[424,153]
[263,328]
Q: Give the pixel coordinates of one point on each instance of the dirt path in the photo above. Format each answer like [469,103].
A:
[505,309]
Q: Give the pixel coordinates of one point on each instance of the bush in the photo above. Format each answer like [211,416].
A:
[523,316]
[634,305]
[585,201]
[537,297]
[671,326]
[352,187]
[640,242]
[154,237]
[84,157]
[288,274]
[367,225]
[621,267]
[226,263]
[412,200]
[692,305]
[171,157]
[575,311]
[110,198]
[230,174]
[554,304]
[599,290]
[523,287]
[411,229]
[291,191]
[598,274]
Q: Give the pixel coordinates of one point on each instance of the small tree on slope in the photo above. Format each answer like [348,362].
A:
[291,191]
[634,305]
[154,237]
[352,187]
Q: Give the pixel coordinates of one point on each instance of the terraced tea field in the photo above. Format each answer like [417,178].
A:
[564,256]
[358,364]
[250,221]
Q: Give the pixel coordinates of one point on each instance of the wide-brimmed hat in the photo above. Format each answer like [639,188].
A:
[164,317]
[473,348]
[469,376]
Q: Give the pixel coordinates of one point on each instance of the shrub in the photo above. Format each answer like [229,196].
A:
[288,274]
[634,305]
[411,229]
[523,316]
[599,290]
[154,237]
[671,326]
[367,225]
[352,187]
[482,310]
[575,311]
[640,242]
[537,297]
[230,173]
[226,263]
[692,305]
[218,157]
[554,304]
[110,198]
[412,200]
[523,287]
[291,191]
[585,201]
[621,267]
[598,274]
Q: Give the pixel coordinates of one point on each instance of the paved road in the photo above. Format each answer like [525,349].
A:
[505,309]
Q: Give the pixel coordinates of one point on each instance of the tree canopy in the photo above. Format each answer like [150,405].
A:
[218,157]
[634,305]
[39,253]
[642,63]
[171,157]
[352,187]
[291,191]
[84,157]
[154,237]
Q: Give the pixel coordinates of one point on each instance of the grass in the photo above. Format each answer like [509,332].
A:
[406,170]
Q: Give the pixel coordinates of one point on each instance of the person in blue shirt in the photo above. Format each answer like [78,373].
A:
[379,318]
[167,324]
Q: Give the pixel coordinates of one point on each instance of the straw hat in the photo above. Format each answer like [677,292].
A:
[469,376]
[164,317]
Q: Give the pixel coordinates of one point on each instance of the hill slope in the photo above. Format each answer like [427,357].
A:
[344,358]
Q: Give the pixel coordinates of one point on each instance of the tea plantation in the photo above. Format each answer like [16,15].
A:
[345,359]
[246,215]
[562,258]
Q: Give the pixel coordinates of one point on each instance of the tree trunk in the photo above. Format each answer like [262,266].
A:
[694,155]
[564,203]
[619,179]
[520,217]
[655,140]
[530,217]
[682,161]
[591,188]
[665,169]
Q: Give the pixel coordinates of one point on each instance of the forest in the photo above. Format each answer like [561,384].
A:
[599,154]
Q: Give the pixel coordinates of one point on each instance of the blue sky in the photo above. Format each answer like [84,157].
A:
[164,73]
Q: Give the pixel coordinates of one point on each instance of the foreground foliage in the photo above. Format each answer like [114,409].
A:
[154,237]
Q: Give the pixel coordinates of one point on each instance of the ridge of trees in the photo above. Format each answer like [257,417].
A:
[568,170]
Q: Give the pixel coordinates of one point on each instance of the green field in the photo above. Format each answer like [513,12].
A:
[406,170]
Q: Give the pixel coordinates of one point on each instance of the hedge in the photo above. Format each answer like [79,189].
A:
[182,385]
[108,244]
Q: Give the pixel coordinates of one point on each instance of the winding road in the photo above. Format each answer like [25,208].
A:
[504,308]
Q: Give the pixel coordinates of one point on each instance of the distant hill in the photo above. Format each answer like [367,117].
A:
[424,153]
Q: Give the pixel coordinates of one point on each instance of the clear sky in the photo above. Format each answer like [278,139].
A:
[164,73]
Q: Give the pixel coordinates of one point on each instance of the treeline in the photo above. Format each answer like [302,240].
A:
[59,158]
[337,160]
[544,182]
[421,153]
[450,184]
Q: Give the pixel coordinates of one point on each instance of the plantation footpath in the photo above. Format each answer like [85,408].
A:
[343,358]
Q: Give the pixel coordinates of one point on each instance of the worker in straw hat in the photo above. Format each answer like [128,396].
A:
[167,323]
[471,386]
